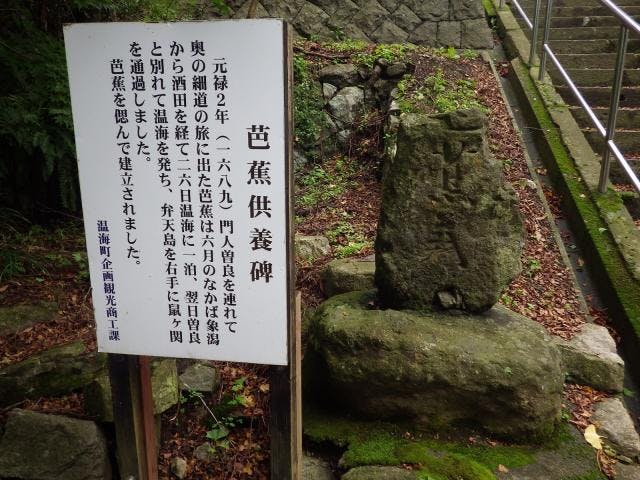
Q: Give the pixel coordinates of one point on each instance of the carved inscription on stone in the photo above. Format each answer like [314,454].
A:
[449,234]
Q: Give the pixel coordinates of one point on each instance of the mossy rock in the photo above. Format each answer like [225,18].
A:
[38,446]
[18,317]
[57,371]
[450,234]
[164,385]
[497,371]
[348,275]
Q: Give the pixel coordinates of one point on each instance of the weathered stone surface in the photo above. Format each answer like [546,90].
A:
[498,371]
[205,453]
[309,247]
[429,9]
[379,473]
[475,34]
[179,467]
[465,9]
[590,358]
[18,317]
[389,32]
[370,15]
[396,70]
[200,377]
[574,459]
[388,21]
[348,275]
[242,12]
[164,383]
[36,446]
[425,34]
[56,371]
[316,469]
[449,34]
[449,221]
[627,472]
[404,18]
[312,20]
[346,106]
[340,75]
[615,426]
[328,91]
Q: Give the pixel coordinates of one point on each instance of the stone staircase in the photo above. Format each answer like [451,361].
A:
[584,37]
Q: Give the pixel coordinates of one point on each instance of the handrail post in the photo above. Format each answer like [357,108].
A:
[534,32]
[614,104]
[545,40]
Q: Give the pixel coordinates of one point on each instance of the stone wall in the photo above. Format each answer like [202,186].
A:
[442,23]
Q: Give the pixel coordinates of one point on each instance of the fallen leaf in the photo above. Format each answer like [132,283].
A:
[592,437]
[502,469]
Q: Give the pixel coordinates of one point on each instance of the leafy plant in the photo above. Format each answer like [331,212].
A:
[352,248]
[308,103]
[325,182]
[533,266]
[437,93]
[392,52]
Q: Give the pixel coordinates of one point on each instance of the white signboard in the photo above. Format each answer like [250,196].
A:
[181,141]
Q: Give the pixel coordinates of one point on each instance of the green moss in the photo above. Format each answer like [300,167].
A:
[624,289]
[383,443]
[454,467]
[308,104]
[489,9]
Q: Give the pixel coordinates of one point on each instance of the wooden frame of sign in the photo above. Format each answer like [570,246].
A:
[285,424]
[130,375]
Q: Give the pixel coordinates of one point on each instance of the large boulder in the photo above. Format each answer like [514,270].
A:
[340,75]
[164,384]
[348,275]
[316,469]
[590,358]
[18,317]
[200,377]
[346,107]
[56,371]
[450,234]
[615,425]
[36,446]
[498,371]
[310,247]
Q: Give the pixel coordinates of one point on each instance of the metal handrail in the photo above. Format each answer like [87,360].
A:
[608,133]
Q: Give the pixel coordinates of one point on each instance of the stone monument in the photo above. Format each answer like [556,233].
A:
[429,345]
[450,235]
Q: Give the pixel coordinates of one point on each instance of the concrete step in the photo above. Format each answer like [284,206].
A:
[574,3]
[601,45]
[585,11]
[603,21]
[596,60]
[575,30]
[627,141]
[579,33]
[601,96]
[596,77]
[628,119]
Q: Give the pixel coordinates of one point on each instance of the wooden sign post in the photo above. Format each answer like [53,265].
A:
[184,143]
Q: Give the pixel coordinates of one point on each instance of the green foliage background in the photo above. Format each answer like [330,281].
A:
[37,154]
